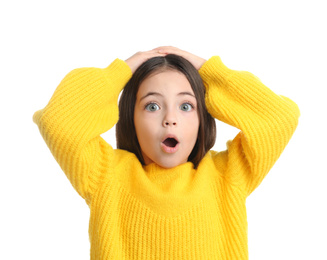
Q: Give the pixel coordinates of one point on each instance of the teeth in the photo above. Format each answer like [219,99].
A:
[170,142]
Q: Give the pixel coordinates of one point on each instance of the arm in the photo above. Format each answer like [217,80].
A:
[83,106]
[267,121]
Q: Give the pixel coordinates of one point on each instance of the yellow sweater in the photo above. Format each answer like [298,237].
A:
[147,212]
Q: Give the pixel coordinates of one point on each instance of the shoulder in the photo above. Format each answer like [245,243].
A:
[217,161]
[123,158]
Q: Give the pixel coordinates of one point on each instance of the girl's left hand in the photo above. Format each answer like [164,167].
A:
[196,61]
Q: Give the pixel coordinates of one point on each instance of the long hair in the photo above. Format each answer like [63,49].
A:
[125,129]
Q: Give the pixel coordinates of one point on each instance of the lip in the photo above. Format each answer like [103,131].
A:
[168,149]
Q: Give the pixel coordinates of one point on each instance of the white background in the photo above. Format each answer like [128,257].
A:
[281,42]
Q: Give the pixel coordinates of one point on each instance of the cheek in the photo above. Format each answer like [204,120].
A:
[144,126]
[192,121]
[190,126]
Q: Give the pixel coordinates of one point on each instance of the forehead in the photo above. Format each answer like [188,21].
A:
[166,82]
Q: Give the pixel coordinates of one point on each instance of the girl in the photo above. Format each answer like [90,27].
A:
[163,194]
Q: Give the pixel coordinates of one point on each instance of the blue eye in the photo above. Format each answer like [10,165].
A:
[186,107]
[152,107]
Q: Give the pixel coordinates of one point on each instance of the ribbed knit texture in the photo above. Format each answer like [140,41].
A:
[147,212]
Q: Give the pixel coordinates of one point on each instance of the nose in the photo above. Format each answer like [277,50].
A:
[169,120]
[169,123]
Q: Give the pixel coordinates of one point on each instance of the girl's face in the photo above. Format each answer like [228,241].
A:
[166,119]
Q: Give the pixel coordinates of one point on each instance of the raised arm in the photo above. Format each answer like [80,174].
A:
[267,121]
[83,106]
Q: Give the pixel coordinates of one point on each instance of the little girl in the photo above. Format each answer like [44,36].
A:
[164,194]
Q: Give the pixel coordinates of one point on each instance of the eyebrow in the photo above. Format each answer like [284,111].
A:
[158,94]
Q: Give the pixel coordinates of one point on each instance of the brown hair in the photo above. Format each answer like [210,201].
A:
[125,129]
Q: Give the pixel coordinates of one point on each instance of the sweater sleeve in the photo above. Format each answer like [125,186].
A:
[267,121]
[83,106]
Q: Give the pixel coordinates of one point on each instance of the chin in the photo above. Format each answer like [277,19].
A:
[170,164]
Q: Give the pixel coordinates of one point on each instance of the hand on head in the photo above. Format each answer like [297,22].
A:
[138,58]
[196,61]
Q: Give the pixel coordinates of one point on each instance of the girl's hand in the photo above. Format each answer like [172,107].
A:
[138,58]
[196,61]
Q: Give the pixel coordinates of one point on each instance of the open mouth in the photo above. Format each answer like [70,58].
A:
[170,142]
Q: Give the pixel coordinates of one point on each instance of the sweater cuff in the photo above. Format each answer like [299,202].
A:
[118,73]
[214,70]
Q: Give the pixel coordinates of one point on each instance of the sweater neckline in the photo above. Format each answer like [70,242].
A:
[164,176]
[155,169]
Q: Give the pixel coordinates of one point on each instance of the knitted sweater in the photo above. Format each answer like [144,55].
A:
[148,212]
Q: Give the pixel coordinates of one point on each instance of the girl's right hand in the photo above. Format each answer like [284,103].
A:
[140,57]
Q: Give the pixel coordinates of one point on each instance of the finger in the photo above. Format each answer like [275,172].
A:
[144,56]
[154,53]
[167,49]
[172,50]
